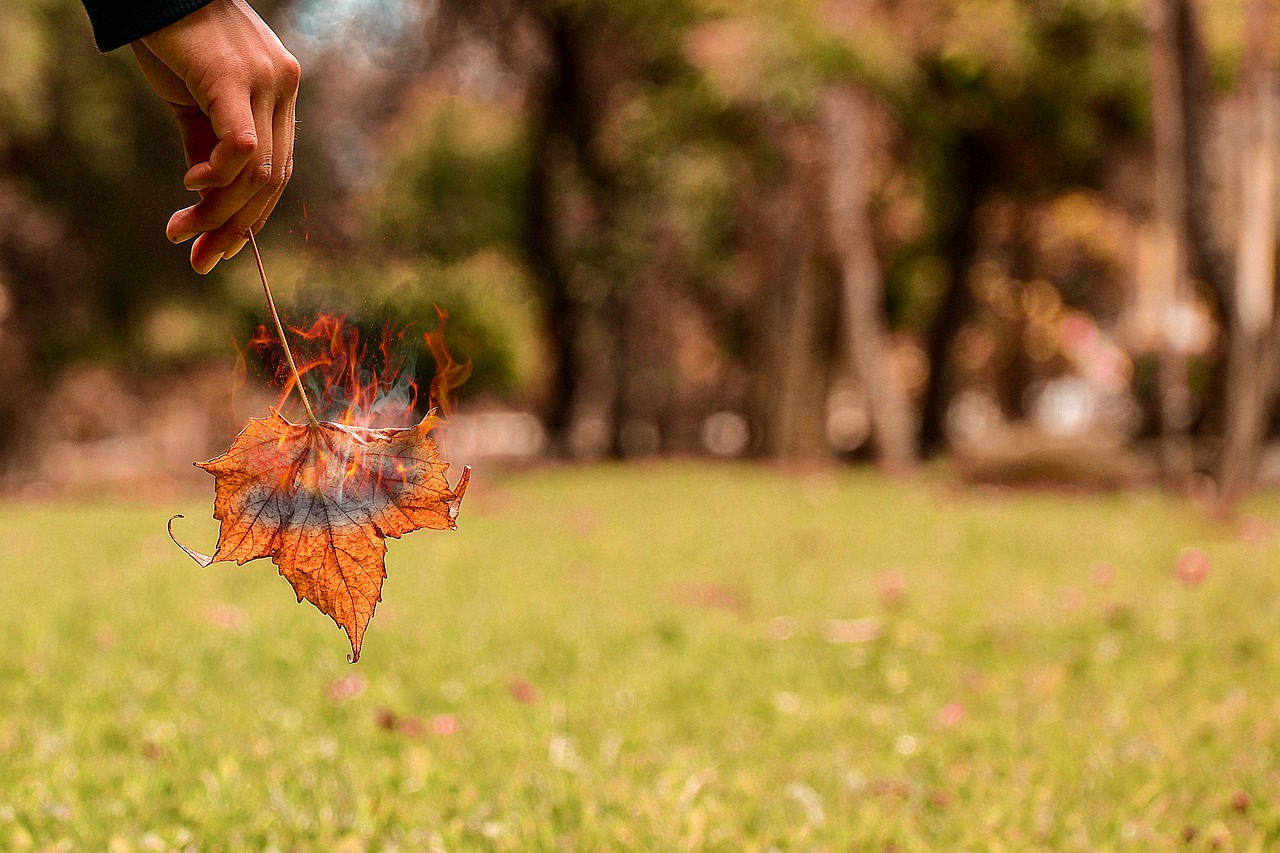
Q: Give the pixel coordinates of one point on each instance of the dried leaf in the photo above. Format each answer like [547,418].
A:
[320,499]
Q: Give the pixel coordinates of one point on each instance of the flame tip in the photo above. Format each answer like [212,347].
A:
[368,382]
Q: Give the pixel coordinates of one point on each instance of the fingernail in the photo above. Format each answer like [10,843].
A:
[207,266]
[182,238]
[234,250]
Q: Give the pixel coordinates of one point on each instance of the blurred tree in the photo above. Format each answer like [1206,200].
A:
[1196,173]
[991,98]
[1171,24]
[846,120]
[89,171]
[1249,308]
[694,208]
[1024,99]
[567,106]
[624,100]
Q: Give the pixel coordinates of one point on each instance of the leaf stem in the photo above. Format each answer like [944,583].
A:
[275,315]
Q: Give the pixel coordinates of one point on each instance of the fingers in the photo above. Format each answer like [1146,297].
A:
[282,141]
[232,86]
[238,131]
[224,201]
[229,237]
[262,217]
[198,138]
[215,246]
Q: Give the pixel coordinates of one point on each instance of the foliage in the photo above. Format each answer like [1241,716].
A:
[85,143]
[454,184]
[429,170]
[556,674]
[494,321]
[320,499]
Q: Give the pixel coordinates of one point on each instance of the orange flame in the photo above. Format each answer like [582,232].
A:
[354,383]
[449,374]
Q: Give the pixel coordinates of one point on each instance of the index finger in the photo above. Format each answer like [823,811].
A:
[231,116]
[221,203]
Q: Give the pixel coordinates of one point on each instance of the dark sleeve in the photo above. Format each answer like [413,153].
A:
[118,22]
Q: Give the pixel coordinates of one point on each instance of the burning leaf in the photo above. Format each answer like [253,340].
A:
[320,498]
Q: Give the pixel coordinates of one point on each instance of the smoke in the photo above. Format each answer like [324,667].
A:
[368,399]
[390,33]
[349,379]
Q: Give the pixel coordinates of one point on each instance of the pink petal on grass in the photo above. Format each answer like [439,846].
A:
[951,713]
[523,692]
[1192,566]
[346,688]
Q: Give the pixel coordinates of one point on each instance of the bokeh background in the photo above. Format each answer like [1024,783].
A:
[1036,236]
[818,297]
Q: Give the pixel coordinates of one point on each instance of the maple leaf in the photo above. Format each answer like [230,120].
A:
[320,499]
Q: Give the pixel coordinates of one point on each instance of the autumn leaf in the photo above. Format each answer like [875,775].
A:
[320,499]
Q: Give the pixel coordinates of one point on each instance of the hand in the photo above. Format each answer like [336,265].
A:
[232,87]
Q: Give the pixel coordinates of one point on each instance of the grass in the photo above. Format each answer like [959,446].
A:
[655,658]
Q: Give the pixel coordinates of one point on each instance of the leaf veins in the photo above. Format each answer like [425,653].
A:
[320,499]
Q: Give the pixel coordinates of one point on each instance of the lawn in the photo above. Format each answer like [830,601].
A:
[663,657]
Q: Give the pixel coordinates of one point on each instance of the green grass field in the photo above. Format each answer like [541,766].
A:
[658,658]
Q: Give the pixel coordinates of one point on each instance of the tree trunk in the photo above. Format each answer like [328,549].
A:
[802,359]
[647,349]
[845,121]
[1165,19]
[1209,254]
[1251,349]
[958,244]
[585,332]
[796,317]
[1208,248]
[540,251]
